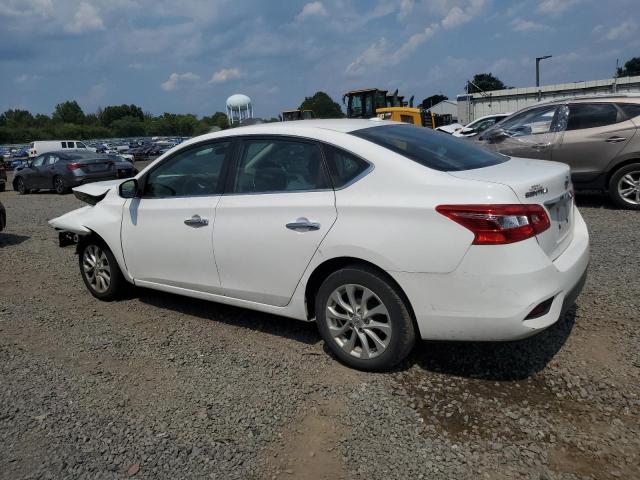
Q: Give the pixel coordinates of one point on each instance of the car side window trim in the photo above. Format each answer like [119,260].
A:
[235,164]
[358,177]
[142,181]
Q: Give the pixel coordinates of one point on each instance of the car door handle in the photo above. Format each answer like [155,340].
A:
[303,225]
[615,139]
[196,221]
[541,146]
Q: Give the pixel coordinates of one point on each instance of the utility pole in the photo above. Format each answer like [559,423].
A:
[538,68]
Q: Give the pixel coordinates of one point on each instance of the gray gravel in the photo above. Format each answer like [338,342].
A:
[159,386]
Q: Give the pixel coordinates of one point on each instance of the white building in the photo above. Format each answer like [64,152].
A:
[445,107]
[476,105]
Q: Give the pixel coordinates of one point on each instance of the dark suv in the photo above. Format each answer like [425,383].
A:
[596,136]
[3,175]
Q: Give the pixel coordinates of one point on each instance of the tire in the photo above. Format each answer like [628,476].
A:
[59,186]
[344,333]
[107,283]
[626,180]
[21,186]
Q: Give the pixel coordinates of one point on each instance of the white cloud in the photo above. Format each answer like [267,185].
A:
[624,30]
[554,7]
[27,78]
[459,15]
[225,75]
[312,9]
[23,8]
[406,7]
[521,25]
[378,54]
[86,19]
[175,79]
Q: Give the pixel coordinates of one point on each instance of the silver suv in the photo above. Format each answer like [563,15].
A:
[596,136]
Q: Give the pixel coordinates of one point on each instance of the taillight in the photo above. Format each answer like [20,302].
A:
[74,166]
[498,224]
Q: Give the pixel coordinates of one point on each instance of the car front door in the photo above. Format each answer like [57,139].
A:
[279,207]
[595,134]
[529,134]
[167,231]
[34,177]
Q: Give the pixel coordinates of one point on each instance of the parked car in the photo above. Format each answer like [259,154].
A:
[3,217]
[3,175]
[451,128]
[596,136]
[480,125]
[380,232]
[45,146]
[60,171]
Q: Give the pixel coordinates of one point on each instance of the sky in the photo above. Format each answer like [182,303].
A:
[188,56]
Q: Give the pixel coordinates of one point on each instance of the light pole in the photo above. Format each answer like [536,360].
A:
[538,68]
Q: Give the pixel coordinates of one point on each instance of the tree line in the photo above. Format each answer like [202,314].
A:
[69,121]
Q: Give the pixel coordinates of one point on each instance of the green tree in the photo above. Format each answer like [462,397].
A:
[128,127]
[68,112]
[322,106]
[218,119]
[433,99]
[486,82]
[630,69]
[16,119]
[115,112]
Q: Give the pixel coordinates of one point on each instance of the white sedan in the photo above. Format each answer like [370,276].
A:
[380,232]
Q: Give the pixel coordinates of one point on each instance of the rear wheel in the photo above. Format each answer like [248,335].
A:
[624,187]
[363,319]
[21,186]
[59,185]
[100,271]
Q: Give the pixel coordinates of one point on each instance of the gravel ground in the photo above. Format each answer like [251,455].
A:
[160,386]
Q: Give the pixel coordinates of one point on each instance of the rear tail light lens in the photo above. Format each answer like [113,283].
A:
[74,166]
[498,224]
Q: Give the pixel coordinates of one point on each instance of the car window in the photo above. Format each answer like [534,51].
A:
[38,161]
[51,160]
[280,166]
[530,122]
[482,125]
[343,166]
[631,110]
[192,172]
[592,115]
[80,145]
[429,148]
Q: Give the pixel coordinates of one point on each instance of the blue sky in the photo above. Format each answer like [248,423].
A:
[188,56]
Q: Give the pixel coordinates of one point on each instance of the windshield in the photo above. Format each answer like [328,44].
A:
[430,148]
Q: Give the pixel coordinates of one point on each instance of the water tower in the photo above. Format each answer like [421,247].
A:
[239,108]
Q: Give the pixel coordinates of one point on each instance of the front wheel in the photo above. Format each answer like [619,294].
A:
[624,187]
[363,319]
[100,271]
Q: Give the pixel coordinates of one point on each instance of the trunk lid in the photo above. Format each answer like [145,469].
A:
[537,182]
[96,166]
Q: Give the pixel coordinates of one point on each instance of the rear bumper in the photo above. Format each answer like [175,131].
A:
[490,294]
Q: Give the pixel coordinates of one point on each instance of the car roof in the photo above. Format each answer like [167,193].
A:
[76,155]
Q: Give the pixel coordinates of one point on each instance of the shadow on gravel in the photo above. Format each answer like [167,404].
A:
[595,200]
[305,332]
[9,239]
[495,360]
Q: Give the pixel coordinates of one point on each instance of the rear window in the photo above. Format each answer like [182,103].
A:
[631,110]
[432,149]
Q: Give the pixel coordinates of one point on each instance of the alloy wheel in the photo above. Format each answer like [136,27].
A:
[96,268]
[358,321]
[629,187]
[58,184]
[21,186]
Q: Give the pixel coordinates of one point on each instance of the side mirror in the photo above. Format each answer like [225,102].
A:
[495,135]
[128,189]
[467,130]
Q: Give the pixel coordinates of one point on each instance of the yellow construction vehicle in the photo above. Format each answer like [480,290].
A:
[372,102]
[289,115]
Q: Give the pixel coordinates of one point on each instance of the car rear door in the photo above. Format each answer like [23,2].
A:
[278,209]
[49,170]
[167,232]
[594,135]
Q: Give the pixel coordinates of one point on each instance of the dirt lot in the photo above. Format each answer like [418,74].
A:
[159,386]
